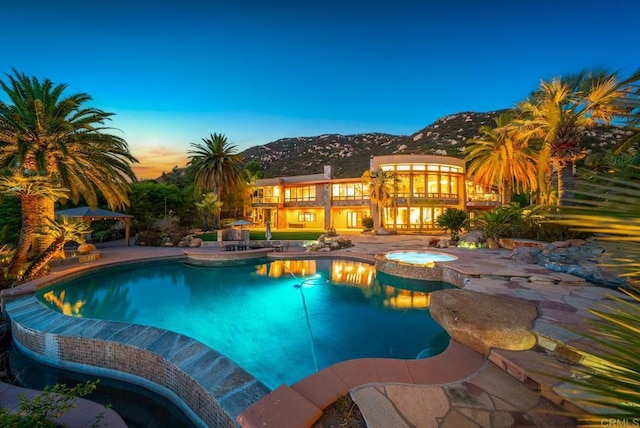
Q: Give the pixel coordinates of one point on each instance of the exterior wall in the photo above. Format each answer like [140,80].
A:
[430,185]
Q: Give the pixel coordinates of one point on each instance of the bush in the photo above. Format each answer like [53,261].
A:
[367,223]
[452,219]
[43,409]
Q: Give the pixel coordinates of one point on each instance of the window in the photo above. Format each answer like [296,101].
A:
[306,217]
[301,193]
[349,191]
[403,185]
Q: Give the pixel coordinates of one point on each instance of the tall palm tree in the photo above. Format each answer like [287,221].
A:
[383,185]
[560,111]
[46,133]
[217,166]
[30,190]
[499,157]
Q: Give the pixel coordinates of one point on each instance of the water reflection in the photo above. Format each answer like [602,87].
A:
[383,289]
[67,308]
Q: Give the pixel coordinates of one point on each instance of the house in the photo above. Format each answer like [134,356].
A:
[429,184]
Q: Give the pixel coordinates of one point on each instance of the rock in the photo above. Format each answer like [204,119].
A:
[511,243]
[524,255]
[483,321]
[86,248]
[383,231]
[575,242]
[560,244]
[473,237]
[492,244]
[195,242]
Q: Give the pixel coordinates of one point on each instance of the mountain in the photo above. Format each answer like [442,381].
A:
[349,154]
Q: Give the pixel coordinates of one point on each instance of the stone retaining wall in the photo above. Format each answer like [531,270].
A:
[209,387]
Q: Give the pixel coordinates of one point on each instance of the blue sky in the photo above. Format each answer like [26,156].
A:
[174,72]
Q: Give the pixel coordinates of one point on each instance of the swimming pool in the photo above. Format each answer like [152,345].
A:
[281,321]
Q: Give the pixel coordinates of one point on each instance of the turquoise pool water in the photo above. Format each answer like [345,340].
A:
[419,257]
[281,321]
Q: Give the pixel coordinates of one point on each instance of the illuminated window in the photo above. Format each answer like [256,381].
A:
[419,187]
[403,185]
[306,217]
[300,193]
[349,191]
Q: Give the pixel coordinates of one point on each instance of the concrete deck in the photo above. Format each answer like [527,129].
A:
[504,389]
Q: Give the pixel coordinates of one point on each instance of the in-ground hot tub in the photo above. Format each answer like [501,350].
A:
[415,264]
[420,258]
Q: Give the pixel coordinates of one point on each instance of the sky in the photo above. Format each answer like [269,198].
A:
[174,72]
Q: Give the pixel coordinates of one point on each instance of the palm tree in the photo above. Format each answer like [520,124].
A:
[499,157]
[217,166]
[6,254]
[383,185]
[61,231]
[560,111]
[45,133]
[30,190]
[209,205]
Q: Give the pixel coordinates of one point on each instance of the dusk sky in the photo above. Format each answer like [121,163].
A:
[175,72]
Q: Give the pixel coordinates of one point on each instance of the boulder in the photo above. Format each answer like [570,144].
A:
[492,244]
[483,321]
[511,243]
[443,243]
[85,248]
[195,242]
[473,237]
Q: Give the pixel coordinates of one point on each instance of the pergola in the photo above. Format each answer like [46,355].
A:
[90,215]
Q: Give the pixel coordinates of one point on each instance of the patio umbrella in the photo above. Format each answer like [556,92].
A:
[241,223]
[267,233]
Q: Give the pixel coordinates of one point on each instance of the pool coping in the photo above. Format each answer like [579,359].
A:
[251,396]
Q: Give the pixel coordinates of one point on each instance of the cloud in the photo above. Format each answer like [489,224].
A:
[156,160]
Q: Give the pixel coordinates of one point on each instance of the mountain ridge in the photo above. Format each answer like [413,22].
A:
[349,154]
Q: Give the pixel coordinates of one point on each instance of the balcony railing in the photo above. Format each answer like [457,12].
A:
[265,200]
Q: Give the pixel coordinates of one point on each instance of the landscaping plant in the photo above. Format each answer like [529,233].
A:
[454,220]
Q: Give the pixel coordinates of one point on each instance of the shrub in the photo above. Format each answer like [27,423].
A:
[367,223]
[43,409]
[452,219]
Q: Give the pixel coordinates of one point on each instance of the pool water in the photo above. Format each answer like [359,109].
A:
[281,321]
[419,257]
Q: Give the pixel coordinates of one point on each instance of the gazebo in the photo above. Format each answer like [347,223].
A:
[90,215]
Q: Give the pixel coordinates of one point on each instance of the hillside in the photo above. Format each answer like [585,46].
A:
[349,154]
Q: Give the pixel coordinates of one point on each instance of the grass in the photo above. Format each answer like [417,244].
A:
[258,235]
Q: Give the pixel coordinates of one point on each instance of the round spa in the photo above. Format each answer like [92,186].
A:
[416,264]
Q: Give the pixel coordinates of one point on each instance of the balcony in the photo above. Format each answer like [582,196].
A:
[265,201]
[486,201]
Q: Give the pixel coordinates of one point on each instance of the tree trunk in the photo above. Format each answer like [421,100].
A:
[45,209]
[35,268]
[28,207]
[565,185]
[506,192]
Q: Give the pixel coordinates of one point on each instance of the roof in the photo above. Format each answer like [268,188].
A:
[87,212]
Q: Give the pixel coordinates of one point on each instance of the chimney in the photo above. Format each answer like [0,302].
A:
[328,172]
